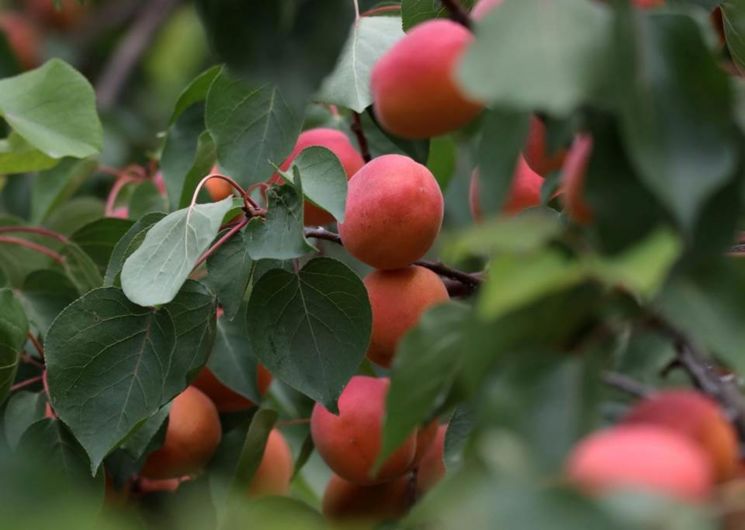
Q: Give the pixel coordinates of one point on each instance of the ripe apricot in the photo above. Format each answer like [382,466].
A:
[23,38]
[275,470]
[694,416]
[394,212]
[225,399]
[350,442]
[398,298]
[347,501]
[641,457]
[573,179]
[432,466]
[336,142]
[192,437]
[425,437]
[524,193]
[217,188]
[414,93]
[537,153]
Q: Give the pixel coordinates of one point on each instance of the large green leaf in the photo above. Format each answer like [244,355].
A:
[109,368]
[23,410]
[51,188]
[229,273]
[53,108]
[253,127]
[544,54]
[18,156]
[98,239]
[349,84]
[13,330]
[154,273]
[311,329]
[733,16]
[127,244]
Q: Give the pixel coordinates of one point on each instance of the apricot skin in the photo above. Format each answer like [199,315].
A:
[347,501]
[218,189]
[573,180]
[696,417]
[641,457]
[432,466]
[414,93]
[23,38]
[336,142]
[225,399]
[537,154]
[350,442]
[425,437]
[398,299]
[274,473]
[524,193]
[192,437]
[394,212]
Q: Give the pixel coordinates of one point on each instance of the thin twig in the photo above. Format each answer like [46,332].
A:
[220,242]
[626,384]
[27,359]
[27,383]
[36,343]
[382,9]
[38,230]
[457,13]
[33,246]
[133,45]
[361,138]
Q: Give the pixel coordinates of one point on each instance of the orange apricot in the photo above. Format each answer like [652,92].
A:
[398,298]
[347,501]
[350,442]
[23,38]
[192,437]
[695,416]
[225,399]
[524,193]
[338,143]
[217,188]
[641,457]
[414,93]
[537,154]
[573,179]
[394,212]
[425,437]
[432,467]
[275,470]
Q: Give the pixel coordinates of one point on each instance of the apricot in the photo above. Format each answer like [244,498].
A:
[425,437]
[641,457]
[414,92]
[432,467]
[350,442]
[394,212]
[70,13]
[168,485]
[23,38]
[217,188]
[573,179]
[225,399]
[483,8]
[524,193]
[696,417]
[347,501]
[336,142]
[192,437]
[537,154]
[398,298]
[275,470]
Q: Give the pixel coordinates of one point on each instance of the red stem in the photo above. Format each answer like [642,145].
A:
[224,239]
[37,344]
[27,383]
[38,230]
[33,246]
[381,9]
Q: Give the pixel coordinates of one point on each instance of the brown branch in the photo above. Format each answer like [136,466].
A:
[626,384]
[33,246]
[469,282]
[38,230]
[141,33]
[361,138]
[457,13]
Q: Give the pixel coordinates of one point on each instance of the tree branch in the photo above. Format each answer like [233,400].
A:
[361,139]
[457,13]
[626,384]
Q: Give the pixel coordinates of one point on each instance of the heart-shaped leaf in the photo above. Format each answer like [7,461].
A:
[311,329]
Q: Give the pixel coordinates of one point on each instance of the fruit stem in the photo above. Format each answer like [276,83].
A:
[38,230]
[220,242]
[457,13]
[27,383]
[382,9]
[33,246]
[361,139]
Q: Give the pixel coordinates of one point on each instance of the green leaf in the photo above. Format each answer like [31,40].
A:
[232,361]
[443,152]
[18,156]
[52,188]
[559,67]
[74,214]
[16,261]
[280,234]
[44,294]
[254,128]
[98,239]
[52,443]
[426,365]
[150,432]
[676,113]
[112,364]
[349,84]
[195,92]
[128,243]
[382,142]
[145,199]
[13,330]
[229,272]
[53,108]
[417,11]
[253,449]
[23,410]
[324,181]
[311,329]
[733,16]
[80,268]
[155,272]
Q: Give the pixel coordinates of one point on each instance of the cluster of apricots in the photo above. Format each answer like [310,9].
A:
[676,442]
